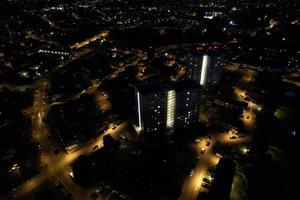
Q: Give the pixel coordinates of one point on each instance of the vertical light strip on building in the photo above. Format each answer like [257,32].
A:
[171,100]
[204,70]
[139,110]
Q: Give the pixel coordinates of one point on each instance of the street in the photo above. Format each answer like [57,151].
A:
[55,167]
[192,185]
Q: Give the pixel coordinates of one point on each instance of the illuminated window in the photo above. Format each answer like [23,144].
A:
[170,108]
[204,70]
[139,110]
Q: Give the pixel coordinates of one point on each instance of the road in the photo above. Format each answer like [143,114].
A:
[192,185]
[76,56]
[293,78]
[56,167]
[248,117]
[16,88]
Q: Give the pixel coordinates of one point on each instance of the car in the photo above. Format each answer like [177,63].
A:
[119,122]
[211,176]
[109,187]
[233,130]
[95,147]
[98,190]
[202,151]
[71,175]
[123,196]
[56,151]
[115,191]
[94,195]
[219,155]
[206,180]
[207,125]
[192,172]
[247,99]
[212,169]
[205,185]
[123,137]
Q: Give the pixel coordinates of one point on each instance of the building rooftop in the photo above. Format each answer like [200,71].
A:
[211,50]
[160,86]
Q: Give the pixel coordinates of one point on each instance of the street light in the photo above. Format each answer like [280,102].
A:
[245,150]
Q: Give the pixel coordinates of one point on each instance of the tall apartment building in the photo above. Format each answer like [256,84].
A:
[165,106]
[205,65]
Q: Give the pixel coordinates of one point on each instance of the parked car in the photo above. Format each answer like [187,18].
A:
[202,151]
[94,195]
[206,180]
[205,185]
[56,151]
[192,172]
[95,147]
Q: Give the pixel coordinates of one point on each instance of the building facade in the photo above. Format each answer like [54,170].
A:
[166,106]
[205,66]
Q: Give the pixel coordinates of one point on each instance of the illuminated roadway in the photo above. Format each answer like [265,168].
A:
[192,185]
[56,167]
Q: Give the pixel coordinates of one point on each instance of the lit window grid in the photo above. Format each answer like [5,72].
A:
[171,102]
[204,70]
[139,110]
